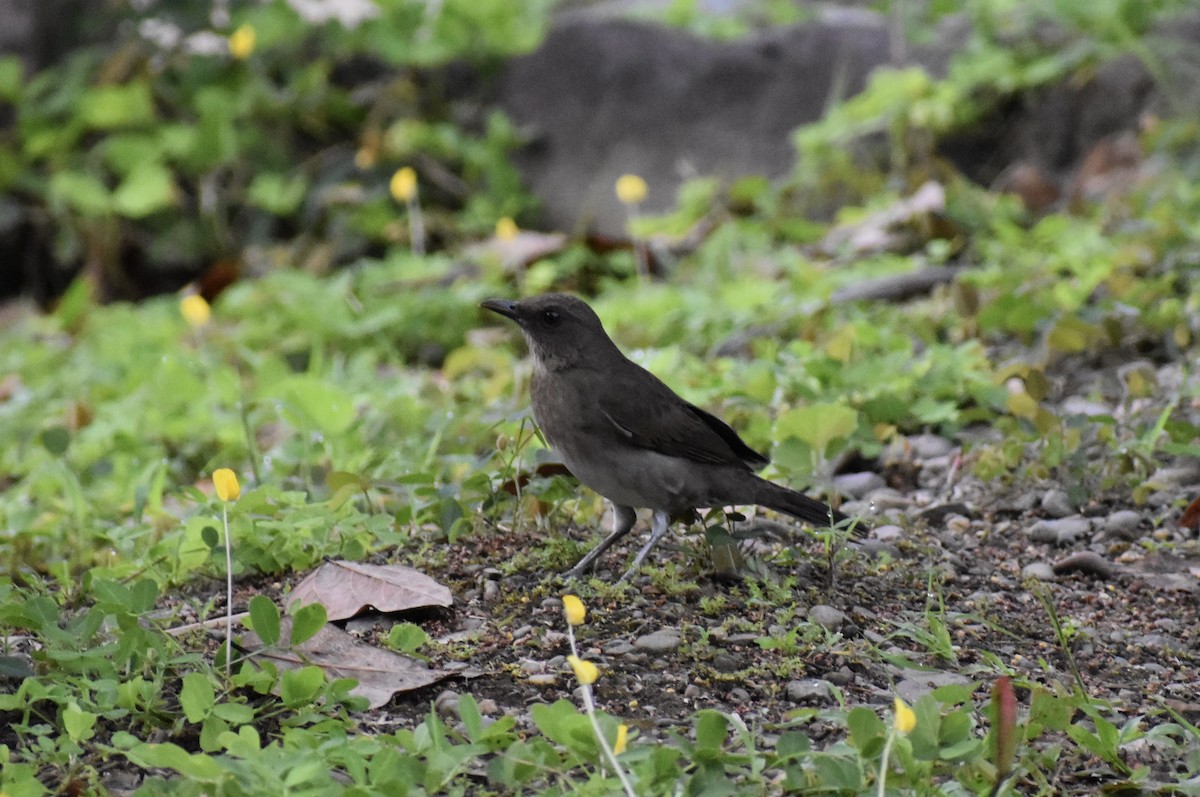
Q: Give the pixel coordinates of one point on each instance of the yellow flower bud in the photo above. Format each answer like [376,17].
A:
[404,184]
[241,42]
[622,739]
[905,720]
[631,189]
[226,482]
[195,310]
[506,229]
[574,610]
[585,672]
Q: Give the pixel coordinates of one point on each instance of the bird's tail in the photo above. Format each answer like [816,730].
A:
[799,505]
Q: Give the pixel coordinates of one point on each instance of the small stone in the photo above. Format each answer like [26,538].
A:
[826,616]
[807,690]
[1122,524]
[543,679]
[487,706]
[1060,532]
[446,703]
[618,647]
[724,662]
[1055,503]
[661,641]
[887,533]
[739,695]
[857,485]
[692,692]
[1183,476]
[522,632]
[491,591]
[1077,405]
[1039,571]
[928,446]
[1086,562]
[840,677]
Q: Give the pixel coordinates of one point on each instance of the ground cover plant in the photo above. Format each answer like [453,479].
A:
[1024,438]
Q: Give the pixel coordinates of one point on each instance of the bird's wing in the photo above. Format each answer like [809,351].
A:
[661,421]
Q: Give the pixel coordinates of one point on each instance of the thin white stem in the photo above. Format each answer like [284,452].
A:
[228,591]
[590,707]
[883,764]
[416,226]
[639,248]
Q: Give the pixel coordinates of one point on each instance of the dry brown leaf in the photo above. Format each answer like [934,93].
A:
[1191,516]
[380,673]
[347,588]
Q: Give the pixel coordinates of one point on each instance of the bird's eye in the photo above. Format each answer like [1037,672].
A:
[550,317]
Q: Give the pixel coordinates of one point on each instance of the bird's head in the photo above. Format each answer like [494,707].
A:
[561,330]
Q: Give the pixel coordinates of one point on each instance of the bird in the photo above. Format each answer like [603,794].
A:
[628,436]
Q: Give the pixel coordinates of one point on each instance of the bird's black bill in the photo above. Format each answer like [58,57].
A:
[504,307]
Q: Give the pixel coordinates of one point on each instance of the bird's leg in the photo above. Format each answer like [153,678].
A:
[623,519]
[658,530]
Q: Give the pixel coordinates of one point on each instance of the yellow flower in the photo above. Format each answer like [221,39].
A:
[195,310]
[585,672]
[241,42]
[905,720]
[226,483]
[506,229]
[631,189]
[404,184]
[574,610]
[622,739]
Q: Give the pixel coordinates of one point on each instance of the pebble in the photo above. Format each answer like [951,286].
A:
[1077,405]
[618,647]
[1055,503]
[858,484]
[1122,524]
[1086,562]
[928,446]
[826,616]
[491,591]
[521,632]
[724,662]
[1039,571]
[446,703]
[1159,642]
[488,706]
[1183,476]
[692,692]
[807,689]
[887,498]
[739,695]
[543,679]
[1060,532]
[887,533]
[840,677]
[661,641]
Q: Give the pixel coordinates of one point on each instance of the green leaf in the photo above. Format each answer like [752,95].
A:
[817,424]
[277,193]
[197,767]
[407,637]
[196,697]
[299,687]
[264,619]
[12,78]
[112,107]
[147,189]
[711,728]
[307,621]
[55,440]
[310,401]
[81,192]
[78,723]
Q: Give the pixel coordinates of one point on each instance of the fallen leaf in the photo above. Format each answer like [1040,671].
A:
[1191,516]
[347,588]
[380,673]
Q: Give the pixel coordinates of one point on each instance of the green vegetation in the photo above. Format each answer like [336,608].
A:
[367,413]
